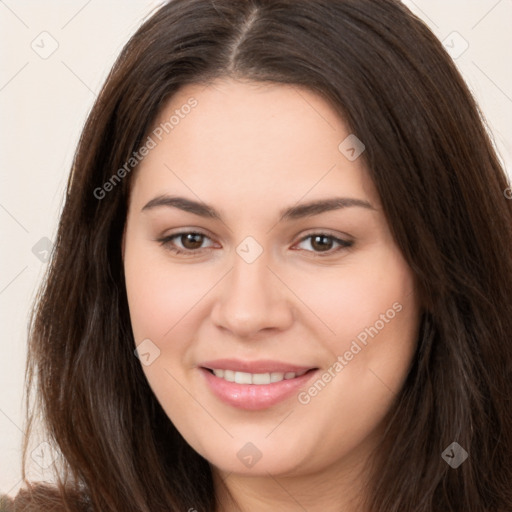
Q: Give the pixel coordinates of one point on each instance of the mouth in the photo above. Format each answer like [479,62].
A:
[268,384]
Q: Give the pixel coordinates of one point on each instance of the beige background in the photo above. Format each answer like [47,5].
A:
[43,103]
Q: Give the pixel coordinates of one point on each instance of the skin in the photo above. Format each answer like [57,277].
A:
[250,150]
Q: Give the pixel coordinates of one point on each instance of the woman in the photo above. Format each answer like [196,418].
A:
[283,274]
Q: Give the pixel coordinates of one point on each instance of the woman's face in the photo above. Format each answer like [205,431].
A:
[288,266]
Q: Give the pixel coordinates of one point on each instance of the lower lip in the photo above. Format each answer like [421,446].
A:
[254,397]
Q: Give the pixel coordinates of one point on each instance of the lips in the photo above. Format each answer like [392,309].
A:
[257,384]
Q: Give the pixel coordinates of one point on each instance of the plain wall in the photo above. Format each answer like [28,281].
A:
[44,100]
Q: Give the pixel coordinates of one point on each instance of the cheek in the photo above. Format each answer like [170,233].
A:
[370,317]
[375,319]
[164,300]
[371,292]
[161,295]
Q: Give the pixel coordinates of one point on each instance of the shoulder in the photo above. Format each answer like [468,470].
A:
[42,498]
[6,504]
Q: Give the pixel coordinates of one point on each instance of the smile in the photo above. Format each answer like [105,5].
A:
[255,391]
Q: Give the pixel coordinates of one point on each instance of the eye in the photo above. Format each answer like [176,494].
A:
[324,243]
[191,242]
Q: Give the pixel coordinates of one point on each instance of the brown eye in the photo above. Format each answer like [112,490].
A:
[186,243]
[324,243]
[191,240]
[321,242]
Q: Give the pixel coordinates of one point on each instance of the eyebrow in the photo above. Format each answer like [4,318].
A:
[292,213]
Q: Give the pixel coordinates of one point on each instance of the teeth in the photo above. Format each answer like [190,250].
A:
[255,378]
[276,377]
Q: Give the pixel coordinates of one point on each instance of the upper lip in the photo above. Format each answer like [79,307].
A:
[260,366]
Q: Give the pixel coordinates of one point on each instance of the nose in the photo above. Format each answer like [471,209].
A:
[251,299]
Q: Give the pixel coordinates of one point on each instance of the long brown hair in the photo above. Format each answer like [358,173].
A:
[442,191]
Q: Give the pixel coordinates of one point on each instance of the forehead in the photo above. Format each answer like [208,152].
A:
[275,140]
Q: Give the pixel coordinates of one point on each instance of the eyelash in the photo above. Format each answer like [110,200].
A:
[166,242]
